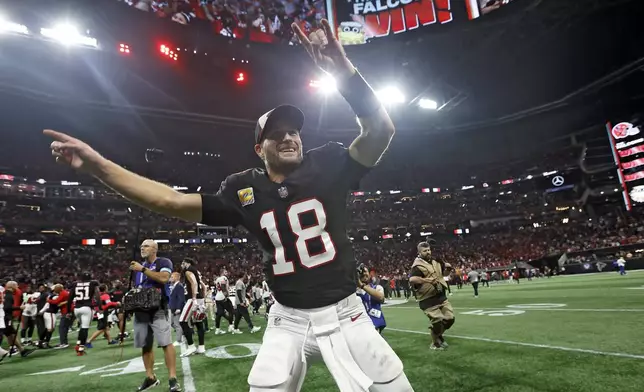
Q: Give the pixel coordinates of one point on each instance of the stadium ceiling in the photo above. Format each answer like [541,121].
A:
[538,57]
[536,65]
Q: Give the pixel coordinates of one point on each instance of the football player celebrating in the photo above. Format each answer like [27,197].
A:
[223,304]
[296,208]
[83,292]
[50,313]
[196,291]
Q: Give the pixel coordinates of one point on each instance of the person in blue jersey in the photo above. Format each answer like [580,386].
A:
[154,273]
[372,295]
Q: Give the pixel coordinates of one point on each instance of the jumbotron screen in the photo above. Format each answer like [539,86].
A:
[356,21]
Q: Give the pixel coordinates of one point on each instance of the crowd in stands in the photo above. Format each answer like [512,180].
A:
[501,224]
[388,258]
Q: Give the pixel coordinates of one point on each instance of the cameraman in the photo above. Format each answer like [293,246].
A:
[427,277]
[154,273]
[372,295]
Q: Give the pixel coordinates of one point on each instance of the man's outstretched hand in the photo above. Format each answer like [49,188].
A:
[72,152]
[326,51]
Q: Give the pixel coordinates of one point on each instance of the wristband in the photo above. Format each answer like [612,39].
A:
[359,95]
[143,270]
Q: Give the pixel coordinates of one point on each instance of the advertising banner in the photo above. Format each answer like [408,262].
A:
[358,21]
[628,152]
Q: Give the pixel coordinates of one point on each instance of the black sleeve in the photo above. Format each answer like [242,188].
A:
[8,304]
[218,210]
[335,159]
[416,272]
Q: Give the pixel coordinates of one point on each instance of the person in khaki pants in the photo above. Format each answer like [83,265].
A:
[176,303]
[427,279]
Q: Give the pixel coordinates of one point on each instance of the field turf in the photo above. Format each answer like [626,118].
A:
[576,333]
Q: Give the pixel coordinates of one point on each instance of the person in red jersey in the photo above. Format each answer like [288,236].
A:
[63,303]
[17,302]
[105,305]
[296,207]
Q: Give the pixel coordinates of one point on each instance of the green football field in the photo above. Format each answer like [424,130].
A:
[577,333]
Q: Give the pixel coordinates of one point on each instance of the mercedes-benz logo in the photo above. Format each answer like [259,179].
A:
[558,181]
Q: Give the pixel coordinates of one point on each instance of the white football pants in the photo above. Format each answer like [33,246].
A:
[342,335]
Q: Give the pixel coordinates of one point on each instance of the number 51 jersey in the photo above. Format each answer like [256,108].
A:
[301,224]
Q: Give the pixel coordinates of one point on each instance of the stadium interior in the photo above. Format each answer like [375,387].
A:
[517,153]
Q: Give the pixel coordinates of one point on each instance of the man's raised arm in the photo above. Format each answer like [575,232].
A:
[376,132]
[149,194]
[377,129]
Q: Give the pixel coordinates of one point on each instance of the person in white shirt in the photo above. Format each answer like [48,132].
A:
[621,264]
[3,352]
[256,293]
[224,308]
[473,277]
[28,322]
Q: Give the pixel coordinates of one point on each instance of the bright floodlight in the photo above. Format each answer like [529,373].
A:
[390,95]
[10,27]
[426,103]
[325,85]
[68,35]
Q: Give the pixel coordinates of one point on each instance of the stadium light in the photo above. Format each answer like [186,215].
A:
[390,95]
[10,27]
[124,48]
[426,103]
[165,50]
[67,34]
[325,85]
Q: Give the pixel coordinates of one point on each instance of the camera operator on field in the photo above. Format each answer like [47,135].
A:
[154,323]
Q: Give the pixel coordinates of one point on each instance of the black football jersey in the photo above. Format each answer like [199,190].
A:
[189,285]
[83,293]
[301,224]
[117,295]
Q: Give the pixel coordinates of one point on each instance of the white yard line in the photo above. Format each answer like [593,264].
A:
[530,309]
[508,342]
[188,380]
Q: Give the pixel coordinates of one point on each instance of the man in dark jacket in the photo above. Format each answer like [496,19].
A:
[176,303]
[40,319]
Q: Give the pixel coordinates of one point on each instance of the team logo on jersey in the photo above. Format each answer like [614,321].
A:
[283,192]
[246,196]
